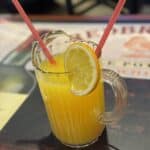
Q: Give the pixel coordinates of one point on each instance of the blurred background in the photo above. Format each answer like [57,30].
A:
[76,7]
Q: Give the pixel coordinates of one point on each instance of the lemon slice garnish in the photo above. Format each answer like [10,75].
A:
[82,66]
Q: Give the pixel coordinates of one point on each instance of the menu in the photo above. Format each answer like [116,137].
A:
[127,51]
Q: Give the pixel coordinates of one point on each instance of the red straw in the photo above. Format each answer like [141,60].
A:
[109,26]
[34,31]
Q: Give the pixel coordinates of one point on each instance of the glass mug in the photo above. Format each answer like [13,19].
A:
[76,121]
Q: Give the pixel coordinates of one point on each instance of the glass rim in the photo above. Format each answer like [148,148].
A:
[35,45]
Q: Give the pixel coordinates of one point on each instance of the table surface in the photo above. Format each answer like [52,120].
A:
[29,128]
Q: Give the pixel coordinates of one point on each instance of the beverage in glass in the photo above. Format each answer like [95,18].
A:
[75,120]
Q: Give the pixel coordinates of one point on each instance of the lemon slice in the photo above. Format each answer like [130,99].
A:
[82,66]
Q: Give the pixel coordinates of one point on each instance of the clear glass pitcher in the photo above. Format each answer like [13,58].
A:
[76,121]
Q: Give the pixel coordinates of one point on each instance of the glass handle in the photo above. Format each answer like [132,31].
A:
[120,92]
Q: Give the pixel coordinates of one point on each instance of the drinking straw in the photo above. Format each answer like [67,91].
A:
[110,24]
[33,30]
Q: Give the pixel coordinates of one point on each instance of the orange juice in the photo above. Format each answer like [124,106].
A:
[73,119]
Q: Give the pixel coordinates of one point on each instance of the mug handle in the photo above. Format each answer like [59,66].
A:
[120,92]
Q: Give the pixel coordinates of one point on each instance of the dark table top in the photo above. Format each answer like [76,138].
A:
[29,128]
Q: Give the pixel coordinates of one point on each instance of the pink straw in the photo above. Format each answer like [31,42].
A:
[34,31]
[109,26]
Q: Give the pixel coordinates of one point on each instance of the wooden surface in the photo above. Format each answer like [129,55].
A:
[132,18]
